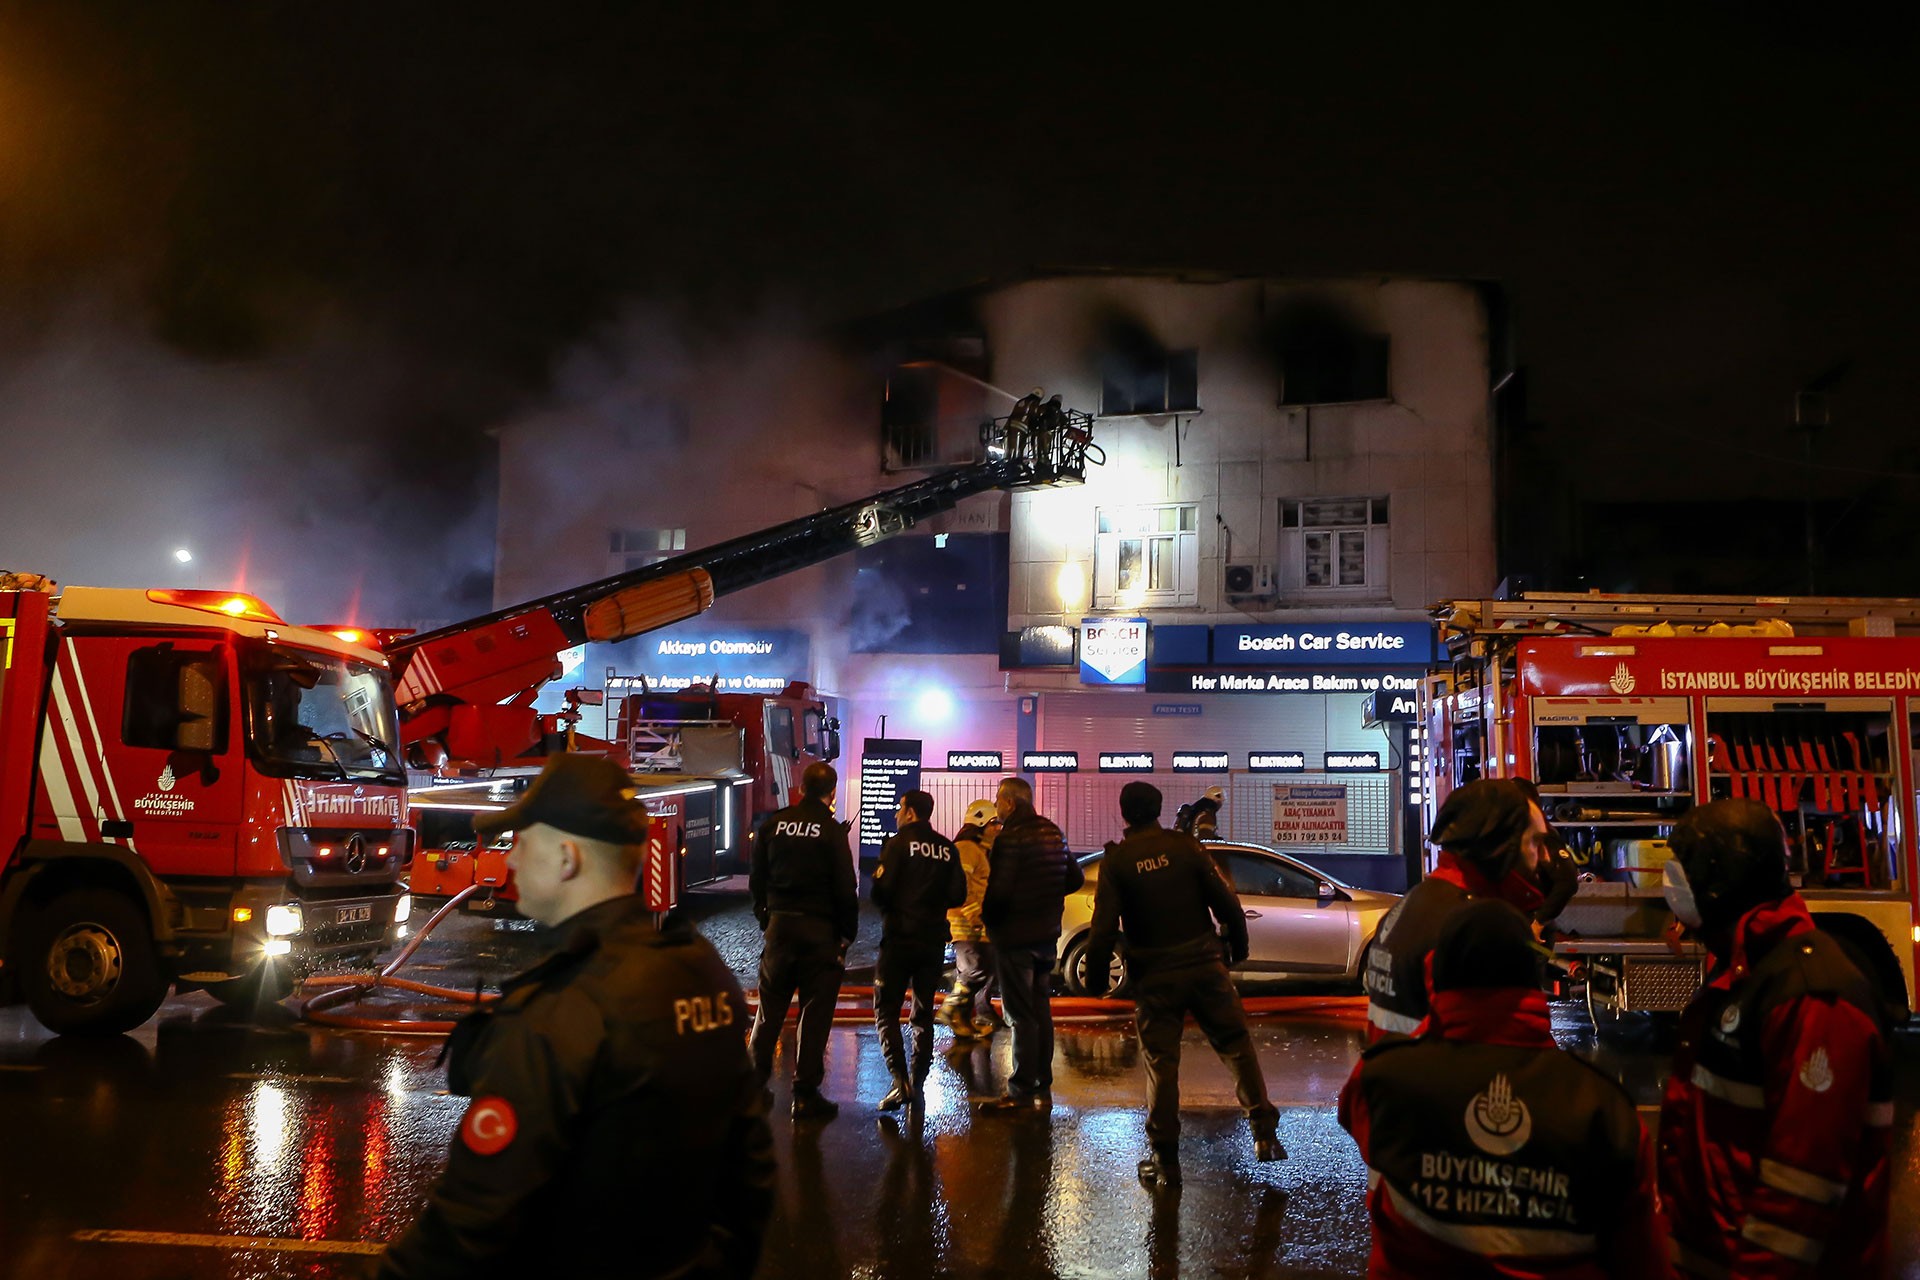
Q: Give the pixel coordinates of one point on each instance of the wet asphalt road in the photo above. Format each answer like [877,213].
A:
[166,1152]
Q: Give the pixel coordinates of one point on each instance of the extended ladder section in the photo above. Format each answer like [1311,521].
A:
[494,665]
[1553,613]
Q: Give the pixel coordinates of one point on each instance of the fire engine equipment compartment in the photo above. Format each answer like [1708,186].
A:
[1629,710]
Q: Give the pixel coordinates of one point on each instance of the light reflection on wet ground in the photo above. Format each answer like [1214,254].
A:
[204,1123]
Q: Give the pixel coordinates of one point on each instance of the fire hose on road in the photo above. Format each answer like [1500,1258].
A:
[325,997]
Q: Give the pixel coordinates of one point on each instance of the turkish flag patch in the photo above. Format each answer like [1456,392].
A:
[489,1126]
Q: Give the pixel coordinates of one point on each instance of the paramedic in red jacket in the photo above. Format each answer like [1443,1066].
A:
[1490,1151]
[1490,835]
[1774,1129]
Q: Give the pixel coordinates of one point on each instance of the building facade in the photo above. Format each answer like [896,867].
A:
[1294,471]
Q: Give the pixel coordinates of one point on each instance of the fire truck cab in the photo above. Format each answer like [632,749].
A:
[192,792]
[1629,710]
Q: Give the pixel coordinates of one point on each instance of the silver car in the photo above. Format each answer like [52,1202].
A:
[1301,923]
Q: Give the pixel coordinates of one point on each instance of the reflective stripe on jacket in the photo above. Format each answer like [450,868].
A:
[1776,1124]
[1491,1152]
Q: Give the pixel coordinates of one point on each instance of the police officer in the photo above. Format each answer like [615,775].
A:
[918,879]
[613,1100]
[1491,837]
[1161,889]
[1776,1125]
[808,906]
[1494,1153]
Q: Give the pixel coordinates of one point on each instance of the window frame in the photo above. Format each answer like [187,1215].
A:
[1373,554]
[1184,557]
[1110,380]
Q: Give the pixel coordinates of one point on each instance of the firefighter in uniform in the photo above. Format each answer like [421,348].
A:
[1162,891]
[1491,1151]
[1491,837]
[973,984]
[919,878]
[1557,875]
[1776,1124]
[615,1127]
[808,905]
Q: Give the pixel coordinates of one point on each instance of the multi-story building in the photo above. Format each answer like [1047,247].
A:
[1294,471]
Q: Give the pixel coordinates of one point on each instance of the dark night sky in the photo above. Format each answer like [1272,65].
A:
[1693,209]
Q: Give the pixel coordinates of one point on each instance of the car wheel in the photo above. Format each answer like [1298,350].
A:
[1360,973]
[1074,971]
[90,966]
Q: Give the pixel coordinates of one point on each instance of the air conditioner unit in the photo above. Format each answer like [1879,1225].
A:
[1249,582]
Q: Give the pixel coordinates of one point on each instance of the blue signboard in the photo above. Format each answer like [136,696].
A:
[1113,651]
[1321,644]
[745,659]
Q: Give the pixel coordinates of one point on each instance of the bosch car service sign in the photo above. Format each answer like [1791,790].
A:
[1113,651]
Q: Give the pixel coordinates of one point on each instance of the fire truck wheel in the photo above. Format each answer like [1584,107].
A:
[90,967]
[269,984]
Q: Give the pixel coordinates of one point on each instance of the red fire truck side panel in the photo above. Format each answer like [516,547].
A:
[23,641]
[180,811]
[1787,667]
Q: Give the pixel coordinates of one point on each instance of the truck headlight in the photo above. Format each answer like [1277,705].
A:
[278,947]
[403,909]
[283,921]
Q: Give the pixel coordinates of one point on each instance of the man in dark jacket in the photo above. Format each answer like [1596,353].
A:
[1557,875]
[613,1100]
[1776,1125]
[1031,877]
[1163,891]
[918,879]
[1492,1152]
[1490,837]
[808,905]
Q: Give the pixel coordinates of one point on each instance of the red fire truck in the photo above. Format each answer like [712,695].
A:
[1629,710]
[711,764]
[192,792]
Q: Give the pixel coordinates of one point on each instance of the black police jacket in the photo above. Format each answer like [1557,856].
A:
[919,878]
[803,864]
[1163,890]
[616,1127]
[1031,875]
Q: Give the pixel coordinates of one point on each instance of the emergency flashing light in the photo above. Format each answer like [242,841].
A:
[350,635]
[242,914]
[232,603]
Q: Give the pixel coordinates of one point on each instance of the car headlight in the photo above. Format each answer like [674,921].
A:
[278,946]
[403,909]
[283,921]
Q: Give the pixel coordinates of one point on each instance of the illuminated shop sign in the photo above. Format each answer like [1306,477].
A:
[974,762]
[1351,761]
[1365,644]
[1281,680]
[889,768]
[731,659]
[1113,650]
[1277,761]
[1049,761]
[1200,762]
[1126,762]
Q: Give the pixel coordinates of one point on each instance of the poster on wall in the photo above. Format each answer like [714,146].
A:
[1309,814]
[889,768]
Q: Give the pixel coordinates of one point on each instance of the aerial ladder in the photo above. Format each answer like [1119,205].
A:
[467,691]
